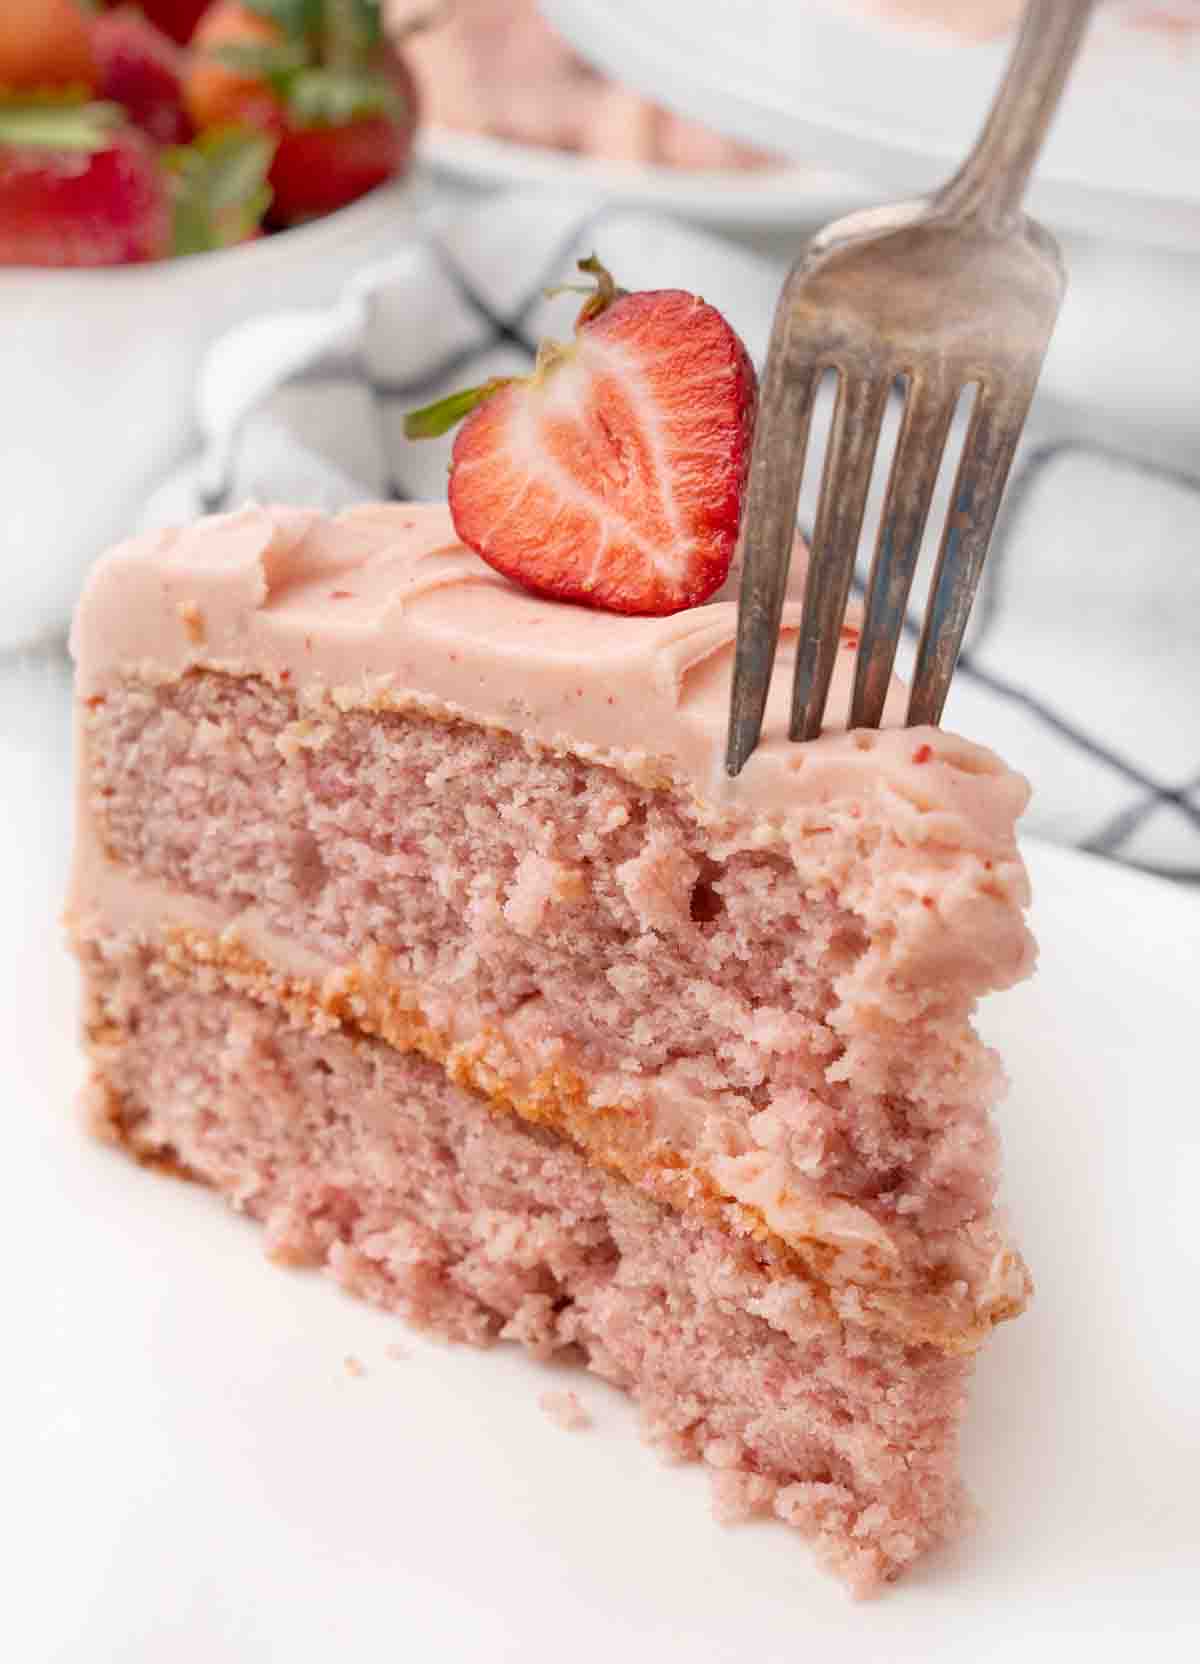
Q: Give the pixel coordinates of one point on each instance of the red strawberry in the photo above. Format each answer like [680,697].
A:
[323,163]
[613,475]
[77,189]
[319,169]
[142,70]
[176,18]
[317,75]
[44,43]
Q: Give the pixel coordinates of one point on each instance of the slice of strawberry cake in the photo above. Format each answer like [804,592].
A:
[418,916]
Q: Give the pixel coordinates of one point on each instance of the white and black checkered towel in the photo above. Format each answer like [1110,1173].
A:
[1083,664]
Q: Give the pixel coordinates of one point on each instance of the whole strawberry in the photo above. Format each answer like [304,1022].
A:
[142,70]
[323,163]
[77,188]
[317,75]
[614,474]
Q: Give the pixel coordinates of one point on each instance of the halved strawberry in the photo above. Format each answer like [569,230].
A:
[43,44]
[614,474]
[78,189]
[142,70]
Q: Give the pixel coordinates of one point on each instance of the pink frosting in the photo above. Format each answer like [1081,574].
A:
[384,604]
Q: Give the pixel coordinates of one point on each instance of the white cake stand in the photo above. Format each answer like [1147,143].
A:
[822,82]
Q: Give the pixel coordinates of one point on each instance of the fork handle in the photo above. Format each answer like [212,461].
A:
[990,185]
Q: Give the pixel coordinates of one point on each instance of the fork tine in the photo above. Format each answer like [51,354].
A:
[853,438]
[928,412]
[990,446]
[765,540]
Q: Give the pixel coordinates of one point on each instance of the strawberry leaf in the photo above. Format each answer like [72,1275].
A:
[438,418]
[220,188]
[37,125]
[262,60]
[345,30]
[352,31]
[300,20]
[332,97]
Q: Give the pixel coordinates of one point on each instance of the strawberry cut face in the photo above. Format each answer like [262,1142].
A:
[614,476]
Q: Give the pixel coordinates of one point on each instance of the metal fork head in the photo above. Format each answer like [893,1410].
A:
[904,297]
[938,295]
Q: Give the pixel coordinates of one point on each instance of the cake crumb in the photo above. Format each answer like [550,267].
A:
[192,620]
[395,1352]
[565,1409]
[354,1366]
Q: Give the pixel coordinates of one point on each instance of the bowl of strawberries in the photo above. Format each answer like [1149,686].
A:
[167,169]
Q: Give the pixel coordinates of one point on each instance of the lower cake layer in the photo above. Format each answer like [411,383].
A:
[370,1162]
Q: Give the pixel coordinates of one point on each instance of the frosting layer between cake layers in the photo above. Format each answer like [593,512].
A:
[911,831]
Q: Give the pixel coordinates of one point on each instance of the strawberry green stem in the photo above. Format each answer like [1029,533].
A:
[436,419]
[605,293]
[433,420]
[600,295]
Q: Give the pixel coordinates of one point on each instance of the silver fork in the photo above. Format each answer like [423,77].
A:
[939,293]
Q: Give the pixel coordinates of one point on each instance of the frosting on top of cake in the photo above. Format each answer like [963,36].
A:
[382,605]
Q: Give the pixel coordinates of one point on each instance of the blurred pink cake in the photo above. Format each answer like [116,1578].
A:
[419,917]
[496,66]
[968,19]
[985,19]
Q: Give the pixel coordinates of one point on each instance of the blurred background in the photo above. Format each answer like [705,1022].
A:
[239,238]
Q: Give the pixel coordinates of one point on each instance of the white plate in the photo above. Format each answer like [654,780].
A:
[191,1474]
[902,106]
[751,199]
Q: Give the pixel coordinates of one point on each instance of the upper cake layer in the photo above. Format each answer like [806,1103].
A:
[384,602]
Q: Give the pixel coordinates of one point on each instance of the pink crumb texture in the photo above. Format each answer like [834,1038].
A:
[368,1162]
[566,1411]
[796,1016]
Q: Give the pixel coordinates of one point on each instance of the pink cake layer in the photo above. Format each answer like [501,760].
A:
[368,1161]
[752,997]
[702,1024]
